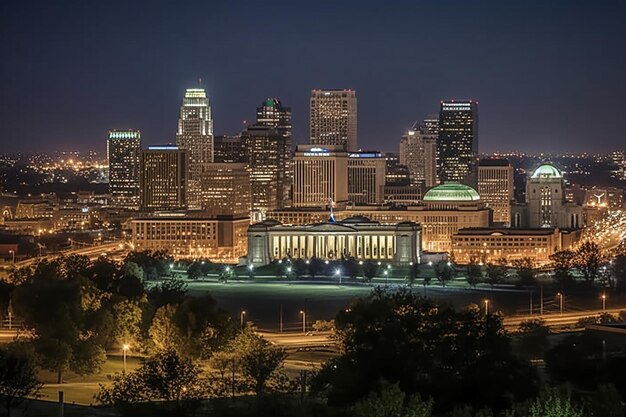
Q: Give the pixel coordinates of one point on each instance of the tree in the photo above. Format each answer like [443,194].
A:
[414,272]
[524,269]
[443,272]
[127,317]
[194,271]
[349,267]
[163,332]
[131,269]
[618,268]
[171,291]
[454,357]
[496,272]
[18,379]
[474,272]
[369,269]
[587,259]
[553,404]
[391,402]
[316,266]
[562,264]
[533,338]
[104,272]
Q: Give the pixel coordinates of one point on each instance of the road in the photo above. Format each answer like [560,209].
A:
[557,320]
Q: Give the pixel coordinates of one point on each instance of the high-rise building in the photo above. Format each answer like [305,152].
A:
[457,145]
[333,118]
[495,186]
[164,175]
[320,175]
[418,151]
[366,177]
[268,160]
[123,155]
[228,149]
[225,189]
[195,135]
[273,114]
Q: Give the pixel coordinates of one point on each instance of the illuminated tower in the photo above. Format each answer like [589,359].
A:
[273,114]
[333,118]
[457,145]
[164,174]
[195,135]
[123,153]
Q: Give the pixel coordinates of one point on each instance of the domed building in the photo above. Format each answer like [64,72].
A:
[451,196]
[545,204]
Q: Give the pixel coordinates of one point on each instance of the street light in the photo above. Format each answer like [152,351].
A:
[486,307]
[12,252]
[303,314]
[338,273]
[603,302]
[242,316]
[560,301]
[125,348]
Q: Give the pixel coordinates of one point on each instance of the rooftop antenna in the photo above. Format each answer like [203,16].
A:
[200,81]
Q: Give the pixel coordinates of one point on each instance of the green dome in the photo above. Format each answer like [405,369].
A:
[547,171]
[451,192]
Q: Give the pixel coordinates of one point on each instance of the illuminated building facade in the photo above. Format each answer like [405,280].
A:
[546,205]
[195,135]
[356,237]
[221,239]
[333,118]
[490,244]
[495,186]
[268,160]
[457,143]
[123,154]
[228,149]
[366,177]
[320,175]
[418,152]
[225,189]
[444,210]
[164,174]
[273,114]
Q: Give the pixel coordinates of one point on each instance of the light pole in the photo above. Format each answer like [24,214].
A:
[338,273]
[125,348]
[603,302]
[386,273]
[486,307]
[560,301]
[303,313]
[242,317]
[12,252]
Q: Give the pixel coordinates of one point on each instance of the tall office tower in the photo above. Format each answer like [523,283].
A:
[225,189]
[418,151]
[320,174]
[333,118]
[366,177]
[396,173]
[273,114]
[430,125]
[195,135]
[457,145]
[164,176]
[123,155]
[495,187]
[228,149]
[268,160]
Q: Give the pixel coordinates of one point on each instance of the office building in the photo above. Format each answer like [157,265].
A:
[395,173]
[545,204]
[195,136]
[221,239]
[495,186]
[273,114]
[354,237]
[457,144]
[320,176]
[164,175]
[123,153]
[268,160]
[225,189]
[366,177]
[228,149]
[418,152]
[333,118]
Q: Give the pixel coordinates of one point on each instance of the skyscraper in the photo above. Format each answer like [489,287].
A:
[123,155]
[195,135]
[225,190]
[164,174]
[495,186]
[418,152]
[228,149]
[268,160]
[366,177]
[273,114]
[320,174]
[333,118]
[457,145]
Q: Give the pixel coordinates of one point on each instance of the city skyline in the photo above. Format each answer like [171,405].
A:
[539,72]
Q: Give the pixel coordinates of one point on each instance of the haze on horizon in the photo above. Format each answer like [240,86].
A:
[548,77]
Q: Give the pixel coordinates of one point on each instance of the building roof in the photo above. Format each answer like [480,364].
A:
[505,231]
[546,171]
[494,162]
[451,191]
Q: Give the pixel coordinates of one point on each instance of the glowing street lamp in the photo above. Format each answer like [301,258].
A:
[125,348]
[486,307]
[603,302]
[242,317]
[303,314]
[560,295]
[338,273]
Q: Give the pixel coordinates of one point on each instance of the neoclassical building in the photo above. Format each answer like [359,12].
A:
[357,237]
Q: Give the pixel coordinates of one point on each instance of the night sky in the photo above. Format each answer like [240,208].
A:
[547,77]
